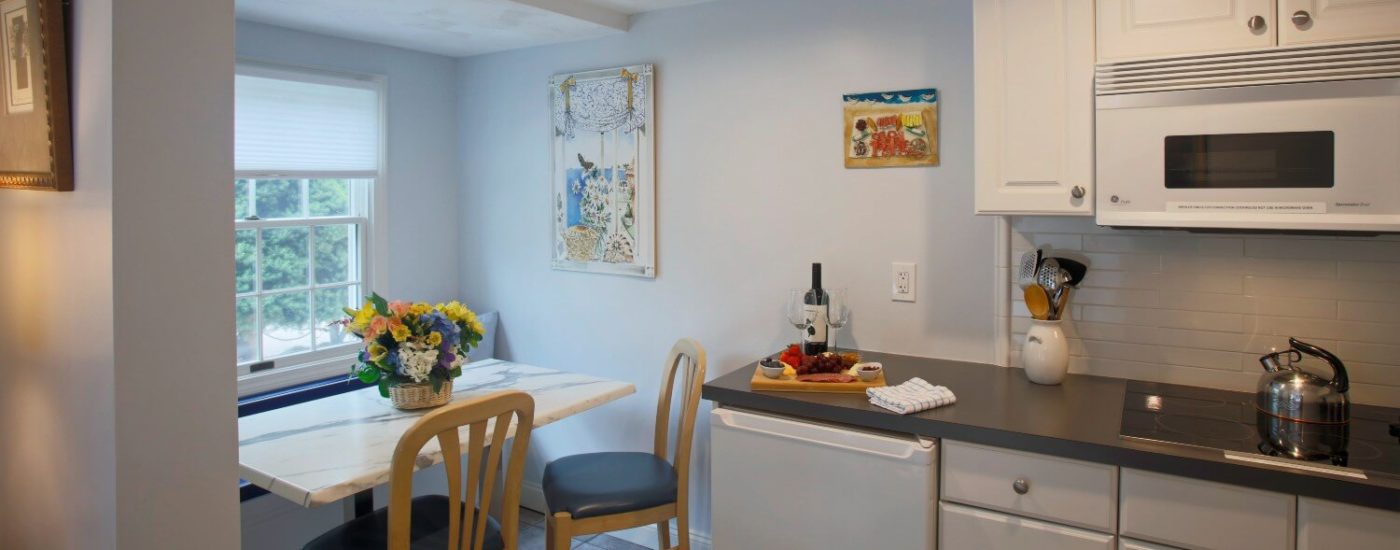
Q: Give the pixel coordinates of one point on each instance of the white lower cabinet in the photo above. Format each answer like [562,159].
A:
[1327,525]
[963,527]
[1191,513]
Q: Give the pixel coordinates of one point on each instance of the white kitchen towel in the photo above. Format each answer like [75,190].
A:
[911,397]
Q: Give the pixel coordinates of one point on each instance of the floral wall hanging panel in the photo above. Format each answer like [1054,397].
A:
[603,181]
[885,129]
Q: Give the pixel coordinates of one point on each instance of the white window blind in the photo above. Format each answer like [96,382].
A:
[296,122]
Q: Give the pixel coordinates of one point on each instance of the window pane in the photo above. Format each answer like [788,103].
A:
[279,199]
[245,252]
[329,197]
[286,324]
[247,324]
[240,199]
[330,304]
[335,253]
[284,258]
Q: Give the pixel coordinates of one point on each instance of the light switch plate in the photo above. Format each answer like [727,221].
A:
[904,278]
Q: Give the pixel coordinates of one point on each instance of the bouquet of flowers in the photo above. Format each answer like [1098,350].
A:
[412,343]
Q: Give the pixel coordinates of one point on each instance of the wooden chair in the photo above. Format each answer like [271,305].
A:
[600,492]
[454,521]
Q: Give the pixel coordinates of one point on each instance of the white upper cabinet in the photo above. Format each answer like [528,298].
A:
[1150,28]
[1314,21]
[1034,76]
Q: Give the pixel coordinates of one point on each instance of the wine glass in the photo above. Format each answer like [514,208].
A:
[796,310]
[837,312]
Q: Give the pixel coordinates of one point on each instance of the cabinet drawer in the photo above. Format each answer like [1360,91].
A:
[1058,489]
[1324,524]
[964,528]
[1192,513]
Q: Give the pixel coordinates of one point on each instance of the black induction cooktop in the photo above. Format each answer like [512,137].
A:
[1227,420]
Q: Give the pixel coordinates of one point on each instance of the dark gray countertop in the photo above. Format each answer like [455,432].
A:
[1078,419]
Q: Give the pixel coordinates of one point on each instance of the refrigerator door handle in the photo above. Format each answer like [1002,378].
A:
[869,443]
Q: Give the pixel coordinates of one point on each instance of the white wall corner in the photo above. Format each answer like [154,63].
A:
[1002,299]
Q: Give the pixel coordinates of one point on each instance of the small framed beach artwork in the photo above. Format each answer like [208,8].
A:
[889,129]
[604,176]
[35,132]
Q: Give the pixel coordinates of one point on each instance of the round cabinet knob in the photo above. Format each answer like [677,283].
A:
[1077,192]
[1021,486]
[1301,18]
[1256,23]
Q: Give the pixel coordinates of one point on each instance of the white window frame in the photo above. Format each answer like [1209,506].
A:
[320,364]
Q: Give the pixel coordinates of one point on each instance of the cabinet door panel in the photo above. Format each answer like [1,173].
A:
[1149,28]
[1155,507]
[1034,64]
[1323,525]
[964,528]
[1337,20]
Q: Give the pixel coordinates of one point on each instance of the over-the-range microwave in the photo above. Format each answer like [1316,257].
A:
[1291,139]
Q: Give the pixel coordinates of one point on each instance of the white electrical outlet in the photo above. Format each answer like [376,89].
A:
[904,281]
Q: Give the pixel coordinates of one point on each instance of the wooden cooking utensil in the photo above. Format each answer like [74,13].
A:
[1037,301]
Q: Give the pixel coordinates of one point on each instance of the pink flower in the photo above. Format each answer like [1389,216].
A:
[399,307]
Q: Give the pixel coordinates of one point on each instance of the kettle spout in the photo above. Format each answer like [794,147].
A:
[1270,362]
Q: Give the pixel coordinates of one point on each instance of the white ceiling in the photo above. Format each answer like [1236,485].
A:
[457,28]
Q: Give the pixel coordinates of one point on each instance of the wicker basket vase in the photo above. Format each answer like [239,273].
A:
[419,396]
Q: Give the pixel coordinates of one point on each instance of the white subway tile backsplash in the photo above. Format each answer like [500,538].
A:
[1376,312]
[1200,309]
[1369,271]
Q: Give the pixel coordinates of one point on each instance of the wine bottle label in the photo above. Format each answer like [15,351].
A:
[816,323]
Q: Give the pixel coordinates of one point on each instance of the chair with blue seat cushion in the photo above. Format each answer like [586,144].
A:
[599,492]
[434,521]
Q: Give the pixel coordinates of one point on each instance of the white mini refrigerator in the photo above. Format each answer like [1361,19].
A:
[779,483]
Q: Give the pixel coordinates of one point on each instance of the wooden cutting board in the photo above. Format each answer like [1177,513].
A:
[789,383]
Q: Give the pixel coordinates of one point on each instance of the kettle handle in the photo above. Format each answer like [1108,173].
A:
[1339,371]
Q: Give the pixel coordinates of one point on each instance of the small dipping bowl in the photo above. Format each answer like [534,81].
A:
[868,371]
[772,372]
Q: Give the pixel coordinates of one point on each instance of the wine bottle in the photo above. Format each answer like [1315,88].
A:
[814,303]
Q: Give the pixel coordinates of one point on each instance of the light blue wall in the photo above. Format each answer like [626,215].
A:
[751,188]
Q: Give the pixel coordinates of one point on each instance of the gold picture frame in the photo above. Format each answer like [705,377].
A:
[36,148]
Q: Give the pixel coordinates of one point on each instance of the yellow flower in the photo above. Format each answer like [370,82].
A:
[434,338]
[400,331]
[377,352]
[476,327]
[363,317]
[419,309]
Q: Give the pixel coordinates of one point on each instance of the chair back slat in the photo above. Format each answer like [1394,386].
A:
[467,531]
[452,454]
[687,358]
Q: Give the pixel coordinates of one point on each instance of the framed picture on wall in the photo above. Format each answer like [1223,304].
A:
[604,175]
[891,129]
[35,133]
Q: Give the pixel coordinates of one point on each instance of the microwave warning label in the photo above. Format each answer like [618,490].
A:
[1250,207]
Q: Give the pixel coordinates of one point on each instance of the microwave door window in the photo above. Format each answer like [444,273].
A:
[1284,160]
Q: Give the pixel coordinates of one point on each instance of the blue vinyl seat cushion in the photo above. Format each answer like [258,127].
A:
[428,529]
[600,484]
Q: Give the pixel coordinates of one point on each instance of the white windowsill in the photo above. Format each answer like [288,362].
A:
[282,377]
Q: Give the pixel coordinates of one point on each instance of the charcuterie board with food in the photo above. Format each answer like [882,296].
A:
[827,372]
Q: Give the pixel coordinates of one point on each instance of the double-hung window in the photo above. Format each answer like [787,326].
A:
[307,158]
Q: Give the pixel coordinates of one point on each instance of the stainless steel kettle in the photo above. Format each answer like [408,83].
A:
[1291,393]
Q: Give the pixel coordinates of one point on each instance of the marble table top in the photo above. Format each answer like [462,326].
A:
[324,450]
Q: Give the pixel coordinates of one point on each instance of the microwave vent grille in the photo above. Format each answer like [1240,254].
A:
[1254,68]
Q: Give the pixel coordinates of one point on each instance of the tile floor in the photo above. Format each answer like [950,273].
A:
[532,536]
